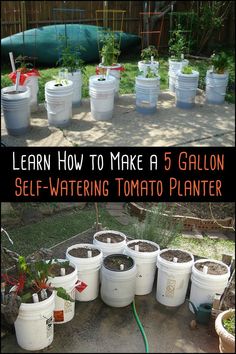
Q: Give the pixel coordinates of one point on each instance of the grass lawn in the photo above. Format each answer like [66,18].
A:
[128,76]
[54,229]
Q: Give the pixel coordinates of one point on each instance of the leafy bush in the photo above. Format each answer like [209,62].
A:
[158,226]
[149,52]
[220,62]
[110,49]
[187,70]
[70,56]
[177,44]
[229,324]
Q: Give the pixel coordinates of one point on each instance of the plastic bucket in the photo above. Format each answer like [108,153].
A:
[147,91]
[216,85]
[76,78]
[102,96]
[59,103]
[153,66]
[205,286]
[115,71]
[146,266]
[185,89]
[34,324]
[16,109]
[32,83]
[64,310]
[110,247]
[172,280]
[118,286]
[174,67]
[88,272]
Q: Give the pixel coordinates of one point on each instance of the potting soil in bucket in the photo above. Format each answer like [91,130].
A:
[216,85]
[118,275]
[209,277]
[185,89]
[34,324]
[88,260]
[16,109]
[174,67]
[66,278]
[110,241]
[59,103]
[174,269]
[102,93]
[147,91]
[144,252]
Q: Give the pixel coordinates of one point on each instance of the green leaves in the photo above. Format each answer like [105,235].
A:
[149,52]
[220,62]
[187,69]
[70,56]
[110,49]
[61,292]
[177,44]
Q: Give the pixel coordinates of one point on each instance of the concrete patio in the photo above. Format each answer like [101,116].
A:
[204,125]
[98,328]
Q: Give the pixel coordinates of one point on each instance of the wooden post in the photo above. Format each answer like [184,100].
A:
[105,13]
[23,16]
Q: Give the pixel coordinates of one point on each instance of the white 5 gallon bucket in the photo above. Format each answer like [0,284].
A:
[76,78]
[204,286]
[113,241]
[172,279]
[64,310]
[32,83]
[216,85]
[145,263]
[118,285]
[102,93]
[115,71]
[16,109]
[59,103]
[186,88]
[88,272]
[34,324]
[174,67]
[147,91]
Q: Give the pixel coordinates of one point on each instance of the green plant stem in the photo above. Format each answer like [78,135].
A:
[140,327]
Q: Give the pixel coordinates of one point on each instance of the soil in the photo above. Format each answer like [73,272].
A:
[82,252]
[114,238]
[113,262]
[183,257]
[12,92]
[58,85]
[55,270]
[213,268]
[143,246]
[30,301]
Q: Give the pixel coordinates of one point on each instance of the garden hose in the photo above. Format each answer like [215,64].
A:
[140,327]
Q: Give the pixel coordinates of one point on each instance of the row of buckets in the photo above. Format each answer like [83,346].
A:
[133,274]
[185,85]
[61,96]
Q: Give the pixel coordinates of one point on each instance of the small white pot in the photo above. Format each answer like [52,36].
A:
[110,247]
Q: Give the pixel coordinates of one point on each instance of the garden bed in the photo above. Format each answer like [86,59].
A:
[192,216]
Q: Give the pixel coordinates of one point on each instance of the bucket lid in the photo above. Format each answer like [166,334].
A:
[52,85]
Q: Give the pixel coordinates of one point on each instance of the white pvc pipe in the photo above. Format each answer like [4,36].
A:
[12,62]
[63,271]
[136,248]
[35,297]
[108,240]
[175,259]
[107,73]
[205,269]
[90,254]
[122,267]
[17,80]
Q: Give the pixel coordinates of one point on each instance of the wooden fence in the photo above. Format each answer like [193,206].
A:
[18,16]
